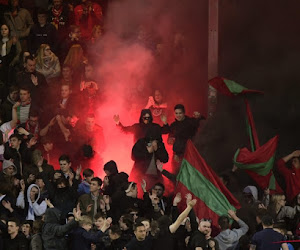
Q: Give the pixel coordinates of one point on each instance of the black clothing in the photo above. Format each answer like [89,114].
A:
[164,242]
[61,22]
[182,131]
[33,169]
[151,131]
[141,130]
[39,35]
[117,244]
[63,199]
[18,243]
[22,156]
[197,240]
[6,110]
[145,163]
[121,202]
[53,233]
[38,93]
[134,244]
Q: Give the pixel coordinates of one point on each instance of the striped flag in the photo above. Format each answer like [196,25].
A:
[197,178]
[259,164]
[230,88]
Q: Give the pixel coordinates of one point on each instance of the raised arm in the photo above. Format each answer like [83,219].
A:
[182,216]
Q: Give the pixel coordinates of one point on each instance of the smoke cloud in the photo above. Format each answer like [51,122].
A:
[149,45]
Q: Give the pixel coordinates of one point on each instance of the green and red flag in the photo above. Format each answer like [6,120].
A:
[197,178]
[259,164]
[230,88]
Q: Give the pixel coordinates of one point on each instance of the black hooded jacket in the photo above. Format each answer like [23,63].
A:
[141,130]
[53,233]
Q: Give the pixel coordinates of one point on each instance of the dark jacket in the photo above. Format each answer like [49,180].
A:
[33,169]
[24,155]
[18,243]
[117,244]
[141,130]
[85,200]
[63,199]
[39,35]
[182,131]
[121,202]
[53,233]
[134,244]
[6,110]
[81,239]
[38,93]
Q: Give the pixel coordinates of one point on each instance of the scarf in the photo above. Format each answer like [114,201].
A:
[56,14]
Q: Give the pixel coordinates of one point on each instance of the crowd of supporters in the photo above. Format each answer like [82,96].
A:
[50,197]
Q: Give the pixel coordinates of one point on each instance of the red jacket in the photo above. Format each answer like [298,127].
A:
[292,179]
[87,22]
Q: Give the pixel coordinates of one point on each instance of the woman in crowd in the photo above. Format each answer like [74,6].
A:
[10,52]
[76,59]
[47,63]
[279,210]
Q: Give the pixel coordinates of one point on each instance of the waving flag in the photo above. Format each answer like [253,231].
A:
[197,178]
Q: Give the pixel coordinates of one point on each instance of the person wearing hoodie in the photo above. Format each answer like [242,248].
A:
[32,206]
[145,126]
[228,239]
[9,170]
[53,234]
[247,212]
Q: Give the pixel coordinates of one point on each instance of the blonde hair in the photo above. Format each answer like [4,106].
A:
[85,220]
[276,198]
[75,56]
[40,54]
[274,202]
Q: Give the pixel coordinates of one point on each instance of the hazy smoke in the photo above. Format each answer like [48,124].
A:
[149,45]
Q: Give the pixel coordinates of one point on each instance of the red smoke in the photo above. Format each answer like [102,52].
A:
[132,66]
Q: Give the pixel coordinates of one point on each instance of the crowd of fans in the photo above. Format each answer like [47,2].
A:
[49,196]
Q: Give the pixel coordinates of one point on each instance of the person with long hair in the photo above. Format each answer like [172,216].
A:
[95,47]
[10,52]
[76,59]
[279,210]
[47,63]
